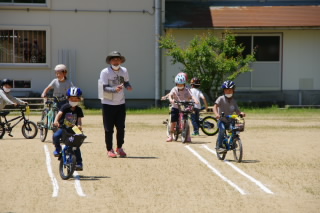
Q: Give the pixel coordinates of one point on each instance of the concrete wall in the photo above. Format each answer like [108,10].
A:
[83,39]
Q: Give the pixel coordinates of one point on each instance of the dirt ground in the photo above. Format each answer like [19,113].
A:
[280,171]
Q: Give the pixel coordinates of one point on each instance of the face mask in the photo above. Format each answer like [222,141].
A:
[228,95]
[73,104]
[181,87]
[115,67]
[6,89]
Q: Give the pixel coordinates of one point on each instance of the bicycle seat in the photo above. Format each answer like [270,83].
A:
[4,113]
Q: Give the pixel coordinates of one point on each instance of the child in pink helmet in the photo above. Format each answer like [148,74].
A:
[178,93]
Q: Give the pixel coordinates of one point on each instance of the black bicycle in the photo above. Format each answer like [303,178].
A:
[68,158]
[232,141]
[29,129]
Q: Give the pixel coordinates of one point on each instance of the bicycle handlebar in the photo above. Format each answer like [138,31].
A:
[234,116]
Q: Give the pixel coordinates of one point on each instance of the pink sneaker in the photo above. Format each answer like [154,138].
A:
[121,153]
[188,139]
[169,139]
[111,154]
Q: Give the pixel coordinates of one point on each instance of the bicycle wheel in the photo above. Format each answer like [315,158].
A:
[66,170]
[43,127]
[237,150]
[29,130]
[176,133]
[2,130]
[220,155]
[209,126]
[185,131]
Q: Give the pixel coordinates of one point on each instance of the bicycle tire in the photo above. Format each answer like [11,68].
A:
[66,171]
[29,130]
[2,130]
[43,129]
[237,149]
[220,155]
[185,131]
[209,126]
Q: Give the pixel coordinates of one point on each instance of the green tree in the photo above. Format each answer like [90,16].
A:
[210,59]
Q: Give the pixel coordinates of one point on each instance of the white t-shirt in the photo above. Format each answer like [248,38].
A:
[197,94]
[180,95]
[112,79]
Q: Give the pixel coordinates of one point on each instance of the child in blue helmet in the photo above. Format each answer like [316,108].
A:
[227,104]
[69,115]
[178,93]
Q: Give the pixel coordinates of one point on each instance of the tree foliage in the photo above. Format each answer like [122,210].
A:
[209,58]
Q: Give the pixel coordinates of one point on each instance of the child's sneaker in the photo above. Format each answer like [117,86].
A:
[56,152]
[188,139]
[195,134]
[121,153]
[111,154]
[169,139]
[79,167]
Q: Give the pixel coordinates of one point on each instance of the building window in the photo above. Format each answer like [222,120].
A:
[267,68]
[21,84]
[267,48]
[23,46]
[24,1]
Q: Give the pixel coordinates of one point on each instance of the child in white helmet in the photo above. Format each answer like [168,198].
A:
[178,93]
[60,85]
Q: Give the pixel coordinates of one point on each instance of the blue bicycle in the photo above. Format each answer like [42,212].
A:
[232,141]
[68,158]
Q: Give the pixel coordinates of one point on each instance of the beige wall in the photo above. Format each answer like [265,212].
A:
[301,57]
[87,38]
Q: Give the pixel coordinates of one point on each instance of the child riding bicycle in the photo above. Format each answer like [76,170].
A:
[60,85]
[195,84]
[227,104]
[5,96]
[178,93]
[69,115]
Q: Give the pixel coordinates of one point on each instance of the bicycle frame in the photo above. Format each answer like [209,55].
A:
[27,127]
[182,126]
[232,141]
[8,122]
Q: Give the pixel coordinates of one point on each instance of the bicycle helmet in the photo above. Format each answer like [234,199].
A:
[60,67]
[195,81]
[7,81]
[184,74]
[180,79]
[74,92]
[228,85]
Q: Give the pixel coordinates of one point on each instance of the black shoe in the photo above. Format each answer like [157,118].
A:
[79,167]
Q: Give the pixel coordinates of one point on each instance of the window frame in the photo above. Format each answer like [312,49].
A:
[26,5]
[280,62]
[30,65]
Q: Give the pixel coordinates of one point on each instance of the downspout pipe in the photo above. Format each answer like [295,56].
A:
[157,54]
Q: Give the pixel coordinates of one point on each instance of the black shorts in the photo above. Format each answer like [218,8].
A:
[174,114]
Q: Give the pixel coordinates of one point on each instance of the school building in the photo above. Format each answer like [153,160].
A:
[35,35]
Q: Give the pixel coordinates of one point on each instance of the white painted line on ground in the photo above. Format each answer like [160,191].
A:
[77,184]
[215,170]
[258,183]
[51,175]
